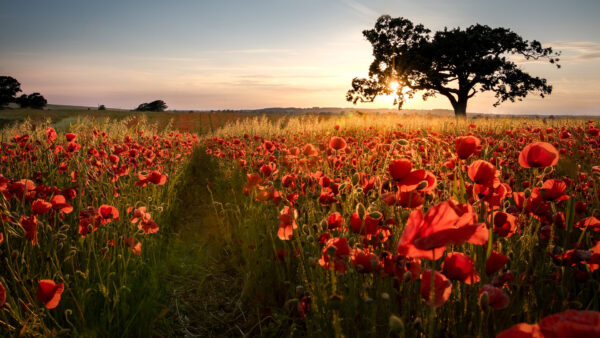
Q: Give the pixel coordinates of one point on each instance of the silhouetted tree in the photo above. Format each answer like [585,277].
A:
[101,107]
[9,87]
[455,63]
[35,101]
[158,105]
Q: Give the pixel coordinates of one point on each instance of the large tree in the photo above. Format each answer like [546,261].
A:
[9,87]
[455,63]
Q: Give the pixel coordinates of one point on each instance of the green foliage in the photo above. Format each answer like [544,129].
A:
[9,87]
[157,105]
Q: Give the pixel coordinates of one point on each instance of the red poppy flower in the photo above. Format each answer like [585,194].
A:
[134,245]
[554,190]
[570,323]
[337,143]
[70,137]
[49,293]
[538,155]
[335,221]
[365,261]
[443,224]
[441,285]
[155,177]
[148,226]
[522,330]
[138,214]
[495,262]
[2,295]
[484,173]
[497,299]
[591,223]
[505,224]
[465,146]
[60,203]
[369,226]
[287,223]
[107,213]
[254,181]
[88,221]
[410,199]
[337,249]
[40,207]
[51,134]
[458,266]
[309,150]
[399,168]
[30,225]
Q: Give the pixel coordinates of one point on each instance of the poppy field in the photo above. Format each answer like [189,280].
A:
[391,226]
[342,225]
[82,212]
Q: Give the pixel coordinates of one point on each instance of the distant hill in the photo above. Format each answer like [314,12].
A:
[330,110]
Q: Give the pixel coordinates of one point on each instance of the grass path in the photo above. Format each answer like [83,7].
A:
[203,285]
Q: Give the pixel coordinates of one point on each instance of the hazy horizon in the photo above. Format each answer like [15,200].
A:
[241,55]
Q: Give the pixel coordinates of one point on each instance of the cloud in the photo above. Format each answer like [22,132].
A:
[578,50]
[360,8]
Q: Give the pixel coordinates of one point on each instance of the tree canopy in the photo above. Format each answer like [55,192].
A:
[35,101]
[455,63]
[9,87]
[157,105]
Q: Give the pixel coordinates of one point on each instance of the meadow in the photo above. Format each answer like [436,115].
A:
[122,224]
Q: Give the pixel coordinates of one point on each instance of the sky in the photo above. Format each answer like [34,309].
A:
[248,54]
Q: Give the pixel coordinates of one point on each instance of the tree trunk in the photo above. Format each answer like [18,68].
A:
[460,108]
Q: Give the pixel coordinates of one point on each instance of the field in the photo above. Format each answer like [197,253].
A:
[121,224]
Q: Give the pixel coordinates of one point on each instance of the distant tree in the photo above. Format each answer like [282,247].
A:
[35,101]
[158,105]
[455,63]
[9,87]
[101,107]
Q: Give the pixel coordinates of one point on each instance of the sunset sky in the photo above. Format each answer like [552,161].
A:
[252,54]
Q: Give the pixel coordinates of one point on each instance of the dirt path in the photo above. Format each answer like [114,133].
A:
[204,288]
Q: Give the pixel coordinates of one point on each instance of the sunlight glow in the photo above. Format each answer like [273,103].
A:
[394,85]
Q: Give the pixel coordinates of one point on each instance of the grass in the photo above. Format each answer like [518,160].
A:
[217,266]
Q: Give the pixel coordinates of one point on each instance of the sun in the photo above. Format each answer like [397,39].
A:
[394,85]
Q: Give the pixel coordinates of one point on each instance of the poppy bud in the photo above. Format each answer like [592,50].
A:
[527,193]
[335,302]
[407,276]
[396,325]
[385,296]
[417,323]
[331,250]
[355,179]
[374,264]
[375,214]
[360,209]
[548,170]
[299,291]
[403,142]
[484,300]
[324,225]
[422,185]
